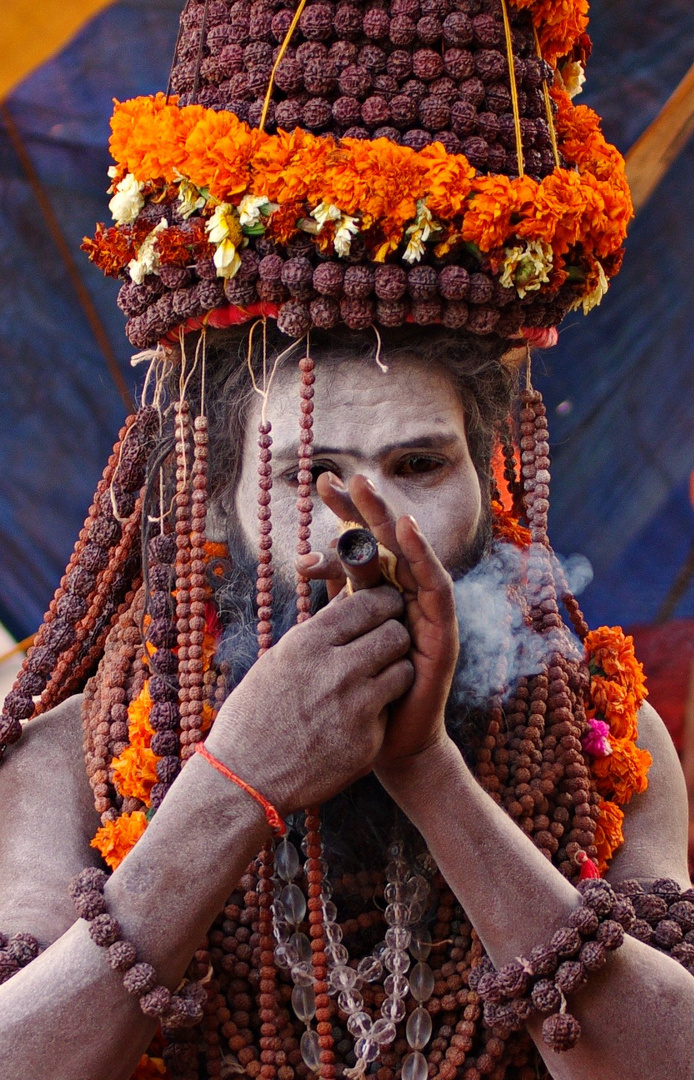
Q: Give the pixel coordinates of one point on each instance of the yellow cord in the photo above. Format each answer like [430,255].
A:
[283,48]
[514,89]
[548,104]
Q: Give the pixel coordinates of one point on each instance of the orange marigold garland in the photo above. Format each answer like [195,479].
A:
[507,528]
[620,768]
[226,174]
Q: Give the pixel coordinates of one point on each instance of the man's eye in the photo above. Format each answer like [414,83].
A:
[416,464]
[316,471]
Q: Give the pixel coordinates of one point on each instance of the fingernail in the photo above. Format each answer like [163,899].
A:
[413,523]
[312,560]
[369,484]
[335,481]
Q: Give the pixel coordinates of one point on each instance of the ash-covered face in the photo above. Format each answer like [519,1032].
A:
[404,429]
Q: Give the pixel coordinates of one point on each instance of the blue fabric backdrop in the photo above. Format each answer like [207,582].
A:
[622,380]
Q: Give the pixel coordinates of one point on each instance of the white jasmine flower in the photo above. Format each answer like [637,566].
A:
[251,208]
[419,232]
[325,212]
[224,231]
[227,259]
[525,267]
[127,201]
[595,296]
[346,229]
[190,198]
[147,261]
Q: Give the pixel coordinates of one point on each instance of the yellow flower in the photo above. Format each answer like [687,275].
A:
[573,76]
[326,212]
[526,267]
[127,201]
[147,261]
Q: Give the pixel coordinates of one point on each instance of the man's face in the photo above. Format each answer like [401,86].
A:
[404,430]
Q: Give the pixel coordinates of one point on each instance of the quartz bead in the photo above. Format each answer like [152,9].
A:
[304,1003]
[420,943]
[396,960]
[383,1032]
[343,978]
[294,903]
[396,914]
[302,945]
[397,937]
[414,1067]
[393,1008]
[394,891]
[351,1001]
[329,912]
[310,1050]
[302,974]
[418,1029]
[421,982]
[396,871]
[370,968]
[286,860]
[333,933]
[359,1025]
[285,956]
[396,985]
[418,888]
[366,1049]
[338,953]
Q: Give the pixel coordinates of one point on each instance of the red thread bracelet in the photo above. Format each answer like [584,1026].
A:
[276,823]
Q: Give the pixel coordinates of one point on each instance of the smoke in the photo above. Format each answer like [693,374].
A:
[497,646]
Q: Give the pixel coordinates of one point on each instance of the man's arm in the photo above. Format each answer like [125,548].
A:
[67,1016]
[516,899]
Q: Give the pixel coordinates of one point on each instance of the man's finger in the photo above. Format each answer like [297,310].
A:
[336,497]
[374,509]
[355,615]
[433,582]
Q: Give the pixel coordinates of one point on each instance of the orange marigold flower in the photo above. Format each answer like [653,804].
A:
[448,181]
[113,248]
[507,528]
[487,222]
[612,651]
[115,839]
[134,772]
[622,773]
[140,731]
[150,1068]
[608,833]
[282,225]
[617,703]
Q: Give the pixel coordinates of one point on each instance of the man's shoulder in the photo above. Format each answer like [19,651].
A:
[48,820]
[655,823]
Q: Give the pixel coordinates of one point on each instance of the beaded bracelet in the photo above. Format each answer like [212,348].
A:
[175,1010]
[540,983]
[15,953]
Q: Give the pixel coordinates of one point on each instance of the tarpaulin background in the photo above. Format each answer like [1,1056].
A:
[619,387]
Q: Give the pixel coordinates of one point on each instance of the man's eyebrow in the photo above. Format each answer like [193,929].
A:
[439,441]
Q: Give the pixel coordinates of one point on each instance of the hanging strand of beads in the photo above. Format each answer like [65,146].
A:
[198,590]
[304,503]
[183,549]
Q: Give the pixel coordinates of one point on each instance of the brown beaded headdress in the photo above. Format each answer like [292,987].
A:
[365,164]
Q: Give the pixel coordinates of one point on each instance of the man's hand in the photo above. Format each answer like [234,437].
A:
[416,721]
[310,716]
